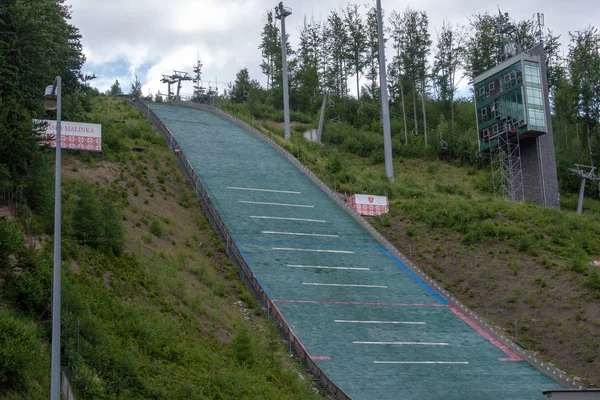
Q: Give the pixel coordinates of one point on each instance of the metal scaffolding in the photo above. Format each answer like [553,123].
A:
[507,172]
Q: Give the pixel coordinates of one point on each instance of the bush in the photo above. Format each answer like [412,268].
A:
[97,222]
[243,351]
[30,292]
[156,228]
[12,242]
[19,352]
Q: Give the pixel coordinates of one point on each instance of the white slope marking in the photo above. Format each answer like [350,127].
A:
[343,285]
[421,362]
[313,250]
[380,322]
[324,267]
[274,204]
[298,234]
[263,190]
[404,343]
[287,219]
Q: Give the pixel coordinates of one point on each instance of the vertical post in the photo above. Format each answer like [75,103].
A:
[55,373]
[281,13]
[385,111]
[581,193]
[322,118]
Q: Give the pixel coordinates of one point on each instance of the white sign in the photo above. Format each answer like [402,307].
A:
[74,135]
[365,204]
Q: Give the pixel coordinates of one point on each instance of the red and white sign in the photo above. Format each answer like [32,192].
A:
[74,135]
[365,204]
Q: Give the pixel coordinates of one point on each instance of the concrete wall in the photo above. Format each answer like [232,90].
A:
[538,159]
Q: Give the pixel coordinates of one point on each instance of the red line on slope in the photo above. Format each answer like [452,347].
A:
[323,358]
[509,352]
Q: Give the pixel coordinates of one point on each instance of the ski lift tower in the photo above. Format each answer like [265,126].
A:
[514,125]
[168,79]
[178,77]
[281,13]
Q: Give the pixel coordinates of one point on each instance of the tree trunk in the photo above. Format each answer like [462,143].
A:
[357,78]
[424,111]
[416,123]
[404,112]
[452,111]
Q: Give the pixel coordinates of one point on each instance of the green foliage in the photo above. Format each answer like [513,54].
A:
[20,357]
[156,228]
[30,292]
[243,350]
[39,190]
[12,242]
[95,220]
[115,89]
[136,88]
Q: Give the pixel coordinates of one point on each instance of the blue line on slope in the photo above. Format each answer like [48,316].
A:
[414,276]
[249,266]
[306,243]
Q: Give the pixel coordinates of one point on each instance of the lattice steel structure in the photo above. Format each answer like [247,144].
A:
[507,171]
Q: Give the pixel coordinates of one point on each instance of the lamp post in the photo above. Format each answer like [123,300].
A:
[52,101]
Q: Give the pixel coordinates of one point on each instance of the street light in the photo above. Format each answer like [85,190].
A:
[52,101]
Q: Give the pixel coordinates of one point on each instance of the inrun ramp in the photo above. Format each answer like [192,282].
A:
[372,326]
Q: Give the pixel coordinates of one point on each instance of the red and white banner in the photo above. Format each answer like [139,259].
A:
[365,204]
[74,135]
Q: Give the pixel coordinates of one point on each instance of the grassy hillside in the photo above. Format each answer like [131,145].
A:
[525,268]
[152,308]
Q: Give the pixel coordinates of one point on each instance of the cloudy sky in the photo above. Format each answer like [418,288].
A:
[122,38]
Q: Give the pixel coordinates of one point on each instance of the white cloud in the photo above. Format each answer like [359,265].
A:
[226,33]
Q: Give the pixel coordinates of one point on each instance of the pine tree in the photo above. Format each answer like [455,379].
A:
[115,89]
[136,88]
[199,89]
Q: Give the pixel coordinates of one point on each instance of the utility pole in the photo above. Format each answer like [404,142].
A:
[385,111]
[280,13]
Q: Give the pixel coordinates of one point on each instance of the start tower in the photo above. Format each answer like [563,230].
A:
[515,126]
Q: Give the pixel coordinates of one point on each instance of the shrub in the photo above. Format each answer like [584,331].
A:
[19,351]
[243,351]
[11,241]
[156,228]
[30,292]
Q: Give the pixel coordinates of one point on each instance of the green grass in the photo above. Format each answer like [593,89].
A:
[158,320]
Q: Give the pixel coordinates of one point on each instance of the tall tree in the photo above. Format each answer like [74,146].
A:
[136,88]
[584,71]
[199,88]
[306,79]
[336,44]
[240,90]
[115,89]
[397,75]
[448,60]
[270,47]
[412,36]
[37,43]
[372,55]
[357,42]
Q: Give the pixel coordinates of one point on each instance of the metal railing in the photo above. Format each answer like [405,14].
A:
[494,332]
